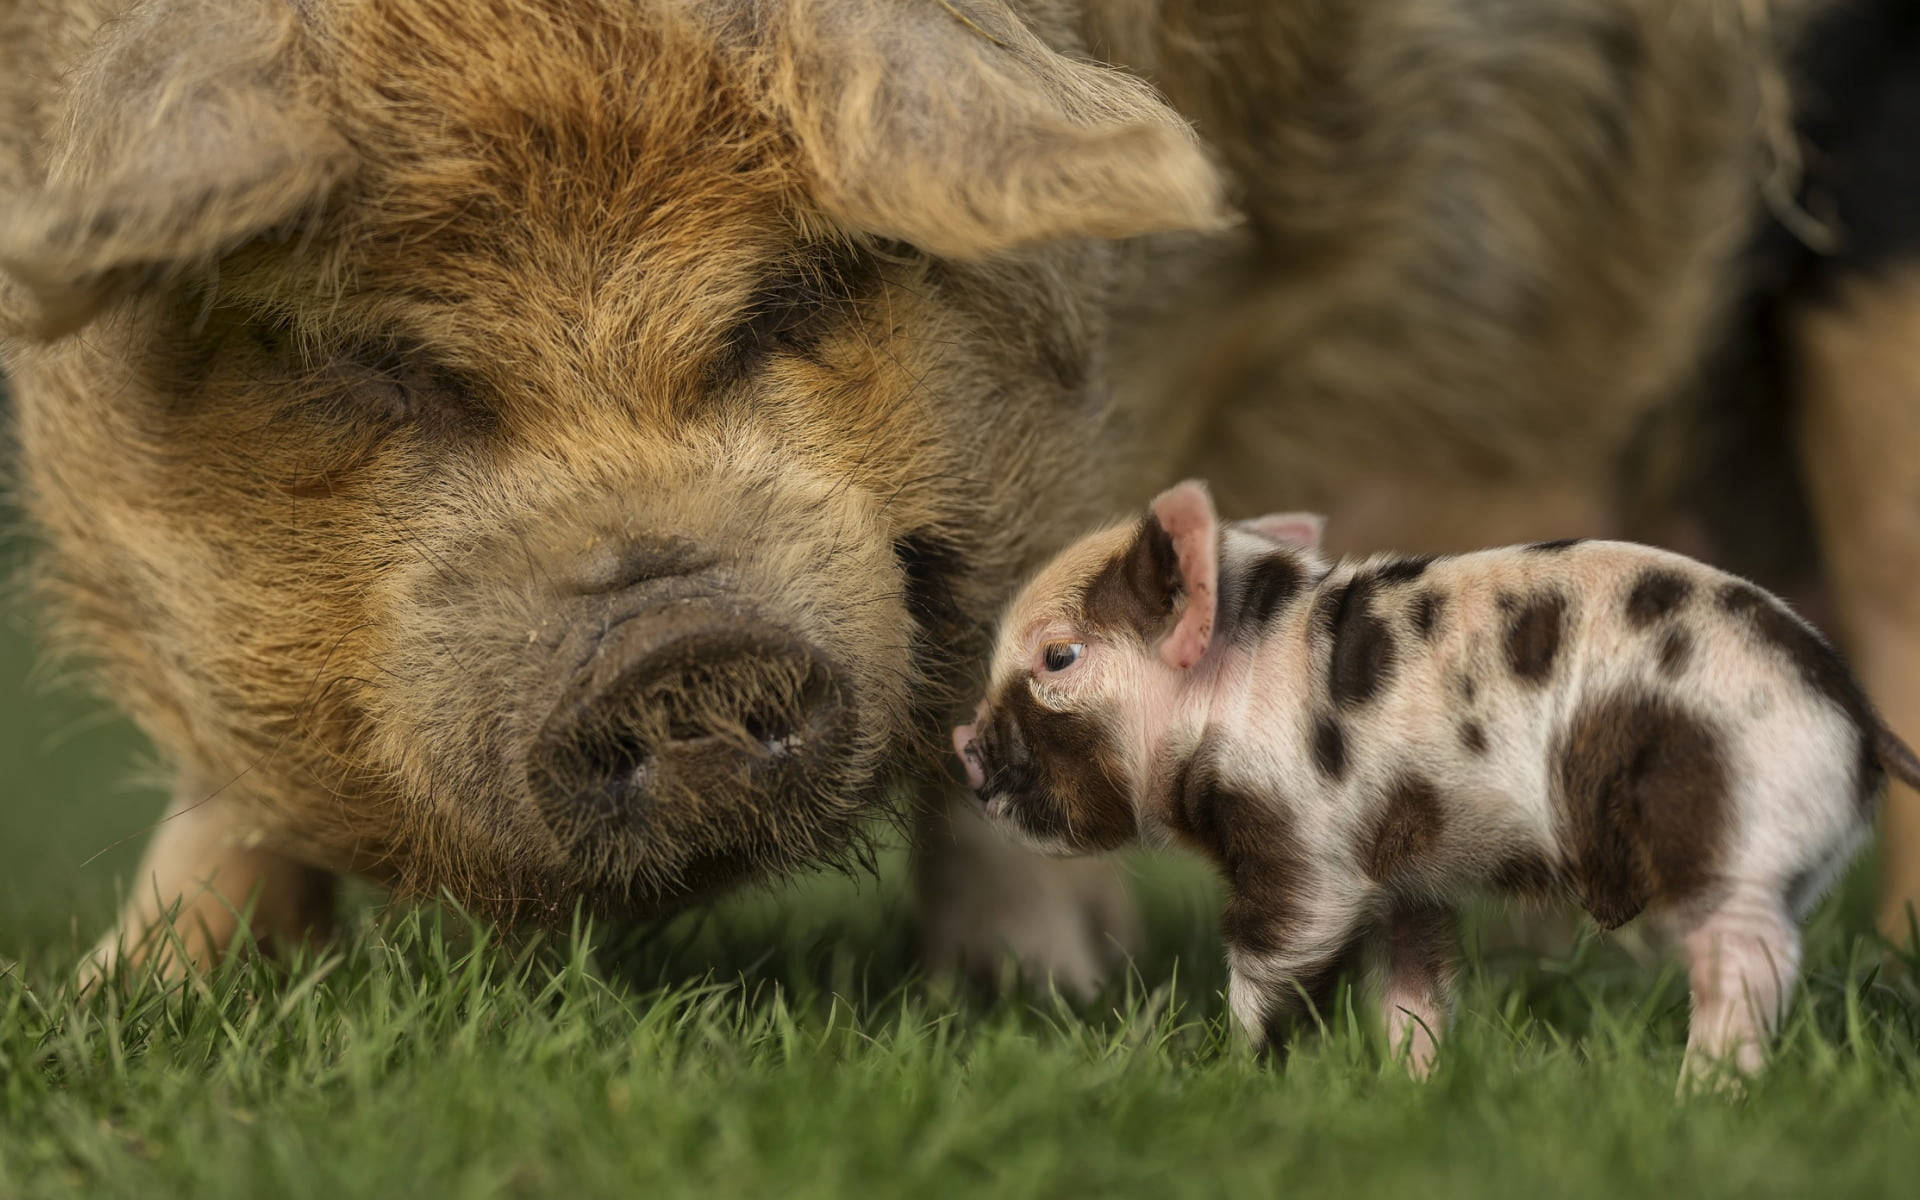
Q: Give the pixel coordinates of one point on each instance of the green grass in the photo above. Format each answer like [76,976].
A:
[783,1045]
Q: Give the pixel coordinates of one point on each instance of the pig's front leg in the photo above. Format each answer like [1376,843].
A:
[206,867]
[987,905]
[1422,951]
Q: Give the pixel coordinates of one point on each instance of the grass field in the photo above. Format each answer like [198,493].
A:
[782,1045]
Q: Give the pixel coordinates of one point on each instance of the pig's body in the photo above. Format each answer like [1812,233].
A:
[1609,720]
[1358,746]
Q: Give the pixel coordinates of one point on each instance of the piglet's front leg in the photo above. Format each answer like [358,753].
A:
[1286,955]
[1284,962]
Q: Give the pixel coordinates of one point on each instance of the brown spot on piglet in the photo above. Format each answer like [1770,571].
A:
[1676,649]
[1403,570]
[1641,786]
[1363,654]
[1253,843]
[1135,591]
[1425,614]
[1329,747]
[1406,831]
[1656,593]
[1534,629]
[1063,771]
[1271,582]
[1473,736]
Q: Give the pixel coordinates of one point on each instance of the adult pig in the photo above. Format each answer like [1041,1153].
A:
[565,451]
[547,452]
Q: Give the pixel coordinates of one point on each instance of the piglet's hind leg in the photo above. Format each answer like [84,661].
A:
[1422,950]
[1742,958]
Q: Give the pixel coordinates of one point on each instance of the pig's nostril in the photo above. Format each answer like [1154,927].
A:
[690,716]
[775,732]
[621,765]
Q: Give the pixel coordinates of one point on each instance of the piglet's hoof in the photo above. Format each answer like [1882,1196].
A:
[993,912]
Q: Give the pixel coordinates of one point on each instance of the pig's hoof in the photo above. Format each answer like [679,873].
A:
[116,958]
[100,964]
[994,913]
[1704,1076]
[164,954]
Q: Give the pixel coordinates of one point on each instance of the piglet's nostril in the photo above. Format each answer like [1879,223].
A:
[616,564]
[966,747]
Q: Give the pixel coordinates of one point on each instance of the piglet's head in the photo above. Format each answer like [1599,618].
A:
[1086,674]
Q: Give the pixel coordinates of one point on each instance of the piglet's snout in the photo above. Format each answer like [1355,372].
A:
[964,737]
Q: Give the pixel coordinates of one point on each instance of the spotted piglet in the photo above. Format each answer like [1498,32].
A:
[1358,745]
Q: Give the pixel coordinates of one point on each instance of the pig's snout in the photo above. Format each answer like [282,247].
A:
[680,696]
[964,738]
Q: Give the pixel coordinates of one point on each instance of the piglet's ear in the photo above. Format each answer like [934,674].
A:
[1185,512]
[1302,529]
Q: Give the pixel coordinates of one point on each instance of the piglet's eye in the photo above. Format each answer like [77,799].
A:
[1058,656]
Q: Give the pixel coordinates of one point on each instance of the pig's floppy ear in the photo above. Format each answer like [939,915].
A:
[1185,512]
[181,138]
[948,124]
[1302,529]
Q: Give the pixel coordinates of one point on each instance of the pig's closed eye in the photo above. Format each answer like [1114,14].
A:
[374,386]
[796,305]
[402,384]
[1058,656]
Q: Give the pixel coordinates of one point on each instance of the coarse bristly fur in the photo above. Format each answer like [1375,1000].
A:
[347,337]
[1357,745]
[400,317]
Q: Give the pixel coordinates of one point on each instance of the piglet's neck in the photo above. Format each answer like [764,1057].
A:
[1262,637]
[1209,693]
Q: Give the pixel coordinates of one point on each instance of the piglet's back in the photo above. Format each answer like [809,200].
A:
[1615,720]
[1559,619]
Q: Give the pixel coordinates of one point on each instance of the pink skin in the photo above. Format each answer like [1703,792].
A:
[963,736]
[1296,528]
[1186,513]
[1414,1019]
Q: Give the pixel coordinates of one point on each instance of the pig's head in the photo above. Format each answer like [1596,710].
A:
[544,450]
[1107,661]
